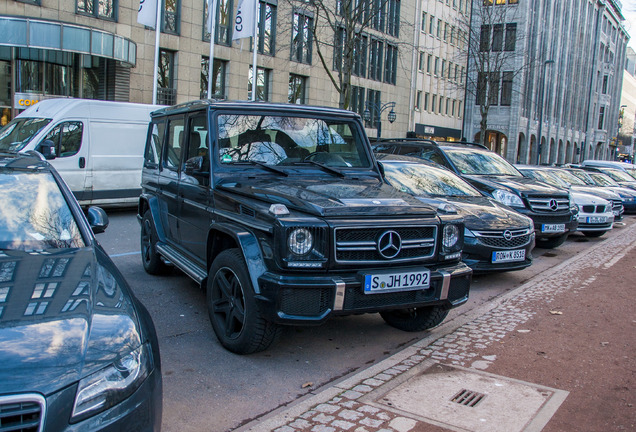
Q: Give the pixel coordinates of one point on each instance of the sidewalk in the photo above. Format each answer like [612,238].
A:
[556,354]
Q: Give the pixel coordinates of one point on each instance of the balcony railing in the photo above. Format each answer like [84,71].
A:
[166,96]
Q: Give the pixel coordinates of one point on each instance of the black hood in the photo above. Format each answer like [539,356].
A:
[524,186]
[63,316]
[332,197]
[482,213]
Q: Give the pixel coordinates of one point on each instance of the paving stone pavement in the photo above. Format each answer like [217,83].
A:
[339,407]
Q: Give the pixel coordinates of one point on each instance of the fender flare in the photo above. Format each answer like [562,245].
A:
[152,204]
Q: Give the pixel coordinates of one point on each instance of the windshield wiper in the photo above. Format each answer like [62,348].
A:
[262,165]
[323,166]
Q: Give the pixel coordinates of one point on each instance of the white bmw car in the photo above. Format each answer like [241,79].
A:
[595,214]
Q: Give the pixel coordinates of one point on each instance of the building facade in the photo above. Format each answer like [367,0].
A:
[439,68]
[555,97]
[96,49]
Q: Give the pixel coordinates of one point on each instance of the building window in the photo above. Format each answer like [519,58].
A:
[452,35]
[436,68]
[454,106]
[357,100]
[511,37]
[604,86]
[482,85]
[360,48]
[393,21]
[37,3]
[601,117]
[506,89]
[425,107]
[441,104]
[375,102]
[433,102]
[375,60]
[429,63]
[266,28]
[447,106]
[339,38]
[493,88]
[390,69]
[378,14]
[443,70]
[171,16]
[421,62]
[438,32]
[484,38]
[223,22]
[423,24]
[263,78]
[104,9]
[218,78]
[301,38]
[418,101]
[497,37]
[431,25]
[166,91]
[297,89]
[446,35]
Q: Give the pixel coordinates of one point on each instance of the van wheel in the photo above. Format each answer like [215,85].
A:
[415,319]
[551,242]
[232,309]
[153,264]
[593,233]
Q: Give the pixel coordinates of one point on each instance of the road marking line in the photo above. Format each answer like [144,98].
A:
[124,254]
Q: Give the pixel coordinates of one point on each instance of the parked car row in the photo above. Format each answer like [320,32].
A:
[284,215]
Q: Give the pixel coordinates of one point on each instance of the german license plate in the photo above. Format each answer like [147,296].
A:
[553,228]
[596,219]
[387,282]
[508,256]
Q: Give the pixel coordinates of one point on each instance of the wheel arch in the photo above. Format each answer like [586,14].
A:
[151,203]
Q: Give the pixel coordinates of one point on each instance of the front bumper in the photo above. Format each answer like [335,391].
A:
[311,299]
[542,222]
[586,225]
[480,259]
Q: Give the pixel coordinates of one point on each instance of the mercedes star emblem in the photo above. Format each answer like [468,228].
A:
[554,205]
[389,244]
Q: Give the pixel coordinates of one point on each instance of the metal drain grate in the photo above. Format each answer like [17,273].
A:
[468,398]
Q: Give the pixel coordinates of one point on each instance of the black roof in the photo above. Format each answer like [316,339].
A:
[424,141]
[225,104]
[30,160]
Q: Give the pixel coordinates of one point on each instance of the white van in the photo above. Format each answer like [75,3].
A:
[96,146]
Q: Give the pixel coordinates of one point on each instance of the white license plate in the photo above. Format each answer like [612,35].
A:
[387,282]
[552,228]
[508,256]
[596,219]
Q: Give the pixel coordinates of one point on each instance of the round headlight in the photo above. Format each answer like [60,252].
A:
[450,236]
[300,241]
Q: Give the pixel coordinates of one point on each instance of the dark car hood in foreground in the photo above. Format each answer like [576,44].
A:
[524,185]
[482,213]
[63,316]
[332,197]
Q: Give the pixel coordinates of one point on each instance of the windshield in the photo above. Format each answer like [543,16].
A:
[480,162]
[34,214]
[545,176]
[568,177]
[583,176]
[19,131]
[420,179]
[618,175]
[287,140]
[602,179]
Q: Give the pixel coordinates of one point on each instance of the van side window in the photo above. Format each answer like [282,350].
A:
[154,145]
[67,138]
[174,143]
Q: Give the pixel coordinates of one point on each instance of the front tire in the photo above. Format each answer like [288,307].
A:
[415,319]
[152,261]
[232,309]
[551,242]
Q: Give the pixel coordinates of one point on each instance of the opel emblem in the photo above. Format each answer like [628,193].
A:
[554,205]
[507,235]
[389,244]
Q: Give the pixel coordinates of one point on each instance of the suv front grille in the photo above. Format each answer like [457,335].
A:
[617,205]
[548,203]
[23,413]
[497,239]
[360,245]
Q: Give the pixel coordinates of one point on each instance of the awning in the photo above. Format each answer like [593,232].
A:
[53,35]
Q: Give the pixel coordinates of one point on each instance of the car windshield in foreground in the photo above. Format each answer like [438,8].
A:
[420,179]
[34,214]
[19,131]
[287,140]
[479,162]
[545,176]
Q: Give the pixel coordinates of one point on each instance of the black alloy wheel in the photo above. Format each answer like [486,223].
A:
[152,261]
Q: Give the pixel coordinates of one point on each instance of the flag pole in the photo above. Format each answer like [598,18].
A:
[212,29]
[254,68]
[157,33]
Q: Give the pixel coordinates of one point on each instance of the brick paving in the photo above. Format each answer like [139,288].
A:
[340,408]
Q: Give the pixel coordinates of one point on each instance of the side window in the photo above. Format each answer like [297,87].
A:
[174,143]
[198,137]
[433,156]
[67,138]
[154,144]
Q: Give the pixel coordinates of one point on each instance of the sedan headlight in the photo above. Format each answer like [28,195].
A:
[300,241]
[450,236]
[109,386]
[507,198]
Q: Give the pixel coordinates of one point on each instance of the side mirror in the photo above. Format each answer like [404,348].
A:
[47,148]
[97,219]
[194,165]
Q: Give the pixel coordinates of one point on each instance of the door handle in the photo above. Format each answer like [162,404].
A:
[82,162]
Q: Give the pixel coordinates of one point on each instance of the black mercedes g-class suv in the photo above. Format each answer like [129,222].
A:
[551,209]
[281,213]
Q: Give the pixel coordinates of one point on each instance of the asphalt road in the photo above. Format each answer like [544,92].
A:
[206,388]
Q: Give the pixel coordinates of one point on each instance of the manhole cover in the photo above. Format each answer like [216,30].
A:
[463,399]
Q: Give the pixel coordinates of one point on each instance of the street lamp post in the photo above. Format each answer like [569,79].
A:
[545,64]
[379,108]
